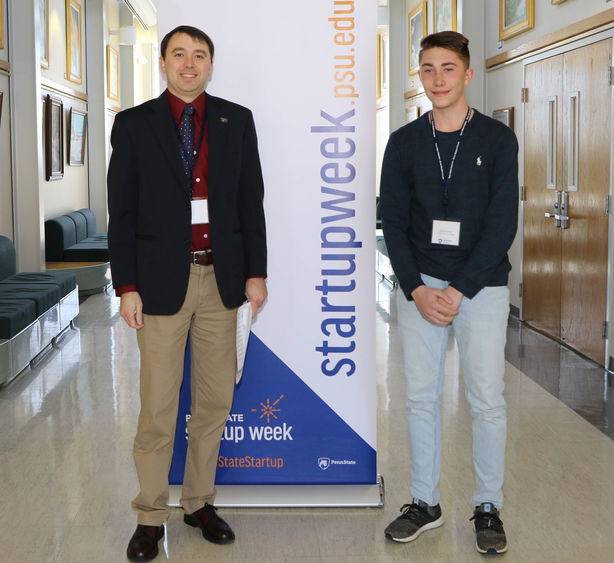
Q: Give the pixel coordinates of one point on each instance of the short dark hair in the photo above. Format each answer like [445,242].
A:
[193,32]
[451,40]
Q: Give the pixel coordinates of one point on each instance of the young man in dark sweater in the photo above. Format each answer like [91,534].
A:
[449,205]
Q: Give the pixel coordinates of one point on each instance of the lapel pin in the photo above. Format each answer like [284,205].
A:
[479,161]
[224,119]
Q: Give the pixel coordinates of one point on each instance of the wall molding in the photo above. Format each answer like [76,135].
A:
[5,65]
[61,89]
[553,39]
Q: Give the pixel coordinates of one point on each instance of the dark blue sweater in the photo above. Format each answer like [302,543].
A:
[483,196]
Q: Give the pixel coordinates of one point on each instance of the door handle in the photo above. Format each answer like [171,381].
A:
[557,206]
[561,220]
[557,217]
[564,207]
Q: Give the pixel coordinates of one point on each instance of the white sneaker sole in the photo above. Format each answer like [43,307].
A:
[490,551]
[429,526]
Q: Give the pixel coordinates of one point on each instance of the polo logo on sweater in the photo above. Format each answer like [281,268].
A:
[478,161]
[224,119]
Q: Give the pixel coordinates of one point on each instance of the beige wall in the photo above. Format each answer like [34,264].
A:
[146,72]
[548,18]
[6,198]
[57,70]
[503,91]
[73,190]
[70,192]
[111,18]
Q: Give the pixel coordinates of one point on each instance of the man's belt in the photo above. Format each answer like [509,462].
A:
[201,257]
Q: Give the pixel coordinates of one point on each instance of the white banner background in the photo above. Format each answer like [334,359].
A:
[277,57]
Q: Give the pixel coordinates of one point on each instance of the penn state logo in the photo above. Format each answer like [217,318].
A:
[323,463]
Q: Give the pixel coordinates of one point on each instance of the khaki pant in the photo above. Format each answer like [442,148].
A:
[162,340]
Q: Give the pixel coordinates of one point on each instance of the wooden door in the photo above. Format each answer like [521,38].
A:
[541,278]
[585,243]
[565,261]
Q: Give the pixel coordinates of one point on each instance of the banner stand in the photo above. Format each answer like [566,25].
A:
[294,496]
[305,410]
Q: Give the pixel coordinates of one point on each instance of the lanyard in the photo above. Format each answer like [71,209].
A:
[194,158]
[445,182]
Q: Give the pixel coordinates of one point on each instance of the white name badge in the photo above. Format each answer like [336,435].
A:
[446,232]
[200,211]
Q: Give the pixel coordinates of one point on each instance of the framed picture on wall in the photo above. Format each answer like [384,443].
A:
[1,24]
[505,115]
[76,139]
[43,36]
[73,41]
[385,59]
[515,16]
[416,30]
[380,52]
[54,138]
[1,96]
[444,15]
[112,73]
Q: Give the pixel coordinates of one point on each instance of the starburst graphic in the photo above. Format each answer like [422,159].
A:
[269,409]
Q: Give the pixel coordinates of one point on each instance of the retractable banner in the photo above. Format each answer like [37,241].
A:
[305,410]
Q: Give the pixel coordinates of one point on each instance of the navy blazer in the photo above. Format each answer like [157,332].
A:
[150,230]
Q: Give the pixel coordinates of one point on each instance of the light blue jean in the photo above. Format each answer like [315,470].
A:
[480,329]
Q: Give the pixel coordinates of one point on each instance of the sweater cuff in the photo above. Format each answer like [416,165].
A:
[409,287]
[125,289]
[466,287]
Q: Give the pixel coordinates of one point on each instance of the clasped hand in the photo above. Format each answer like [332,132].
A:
[438,306]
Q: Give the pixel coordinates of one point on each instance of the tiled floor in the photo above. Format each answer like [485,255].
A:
[66,474]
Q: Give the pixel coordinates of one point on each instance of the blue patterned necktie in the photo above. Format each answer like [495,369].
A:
[186,136]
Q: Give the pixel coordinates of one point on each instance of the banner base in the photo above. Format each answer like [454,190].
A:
[296,496]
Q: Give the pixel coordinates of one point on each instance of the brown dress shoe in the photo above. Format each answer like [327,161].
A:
[143,544]
[213,527]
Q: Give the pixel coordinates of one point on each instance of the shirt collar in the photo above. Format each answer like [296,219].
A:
[177,106]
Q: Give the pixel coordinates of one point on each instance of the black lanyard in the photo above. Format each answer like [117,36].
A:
[194,157]
[445,182]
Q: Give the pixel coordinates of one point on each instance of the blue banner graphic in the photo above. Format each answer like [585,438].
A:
[278,431]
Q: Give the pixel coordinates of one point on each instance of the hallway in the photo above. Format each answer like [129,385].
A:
[67,471]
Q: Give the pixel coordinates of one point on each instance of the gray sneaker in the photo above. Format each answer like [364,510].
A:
[416,518]
[490,536]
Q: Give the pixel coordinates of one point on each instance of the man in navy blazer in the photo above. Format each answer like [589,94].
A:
[187,243]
